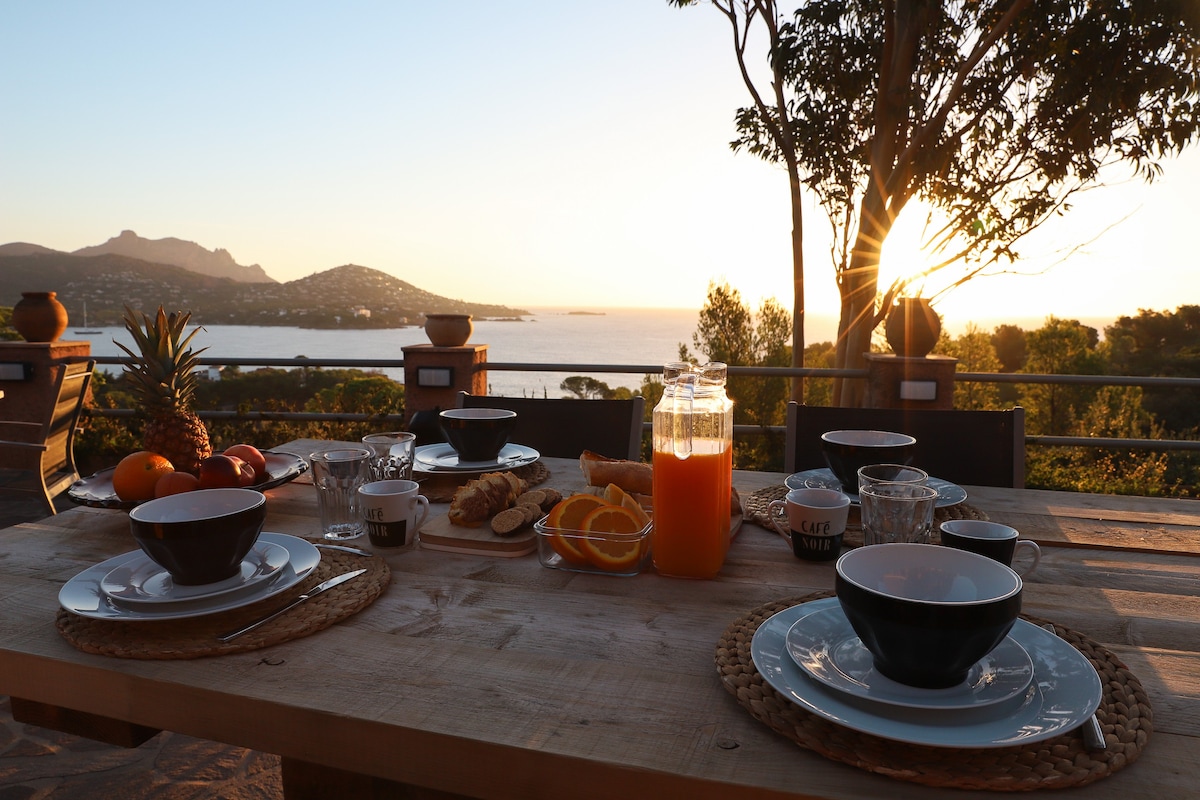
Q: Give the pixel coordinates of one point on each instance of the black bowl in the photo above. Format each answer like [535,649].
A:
[927,613]
[477,434]
[846,451]
[200,536]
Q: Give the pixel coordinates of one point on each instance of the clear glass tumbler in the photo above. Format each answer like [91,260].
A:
[392,455]
[337,474]
[897,512]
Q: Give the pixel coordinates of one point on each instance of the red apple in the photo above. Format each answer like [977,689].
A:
[224,472]
[252,456]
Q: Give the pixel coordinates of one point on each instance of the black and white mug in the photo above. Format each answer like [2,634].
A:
[997,542]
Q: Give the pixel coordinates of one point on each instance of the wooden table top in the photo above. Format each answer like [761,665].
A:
[497,677]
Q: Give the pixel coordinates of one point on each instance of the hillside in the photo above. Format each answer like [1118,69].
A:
[346,296]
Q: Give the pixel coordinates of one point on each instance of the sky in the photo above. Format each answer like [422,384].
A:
[533,154]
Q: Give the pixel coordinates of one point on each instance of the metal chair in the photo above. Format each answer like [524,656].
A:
[564,428]
[38,456]
[980,448]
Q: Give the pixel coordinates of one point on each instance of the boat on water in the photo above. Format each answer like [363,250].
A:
[85,322]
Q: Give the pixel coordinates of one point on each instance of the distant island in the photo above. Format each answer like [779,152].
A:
[585,314]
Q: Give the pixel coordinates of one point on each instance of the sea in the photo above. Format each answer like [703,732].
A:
[632,336]
[578,336]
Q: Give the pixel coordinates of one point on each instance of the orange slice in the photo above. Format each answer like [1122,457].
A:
[610,545]
[567,517]
[617,496]
[569,512]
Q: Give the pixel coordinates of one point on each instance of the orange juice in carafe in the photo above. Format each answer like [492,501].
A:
[693,471]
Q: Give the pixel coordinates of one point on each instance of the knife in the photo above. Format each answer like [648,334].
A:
[1093,734]
[310,594]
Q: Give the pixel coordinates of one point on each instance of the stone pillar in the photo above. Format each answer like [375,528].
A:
[433,376]
[898,382]
[26,399]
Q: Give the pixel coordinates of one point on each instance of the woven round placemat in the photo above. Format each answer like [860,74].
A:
[755,508]
[440,487]
[196,637]
[1056,763]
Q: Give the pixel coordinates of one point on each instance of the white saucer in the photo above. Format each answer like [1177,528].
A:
[949,494]
[825,646]
[144,581]
[443,458]
[82,594]
[1065,691]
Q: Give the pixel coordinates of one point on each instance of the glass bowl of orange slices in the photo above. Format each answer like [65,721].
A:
[604,534]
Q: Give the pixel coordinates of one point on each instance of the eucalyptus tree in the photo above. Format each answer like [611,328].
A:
[992,113]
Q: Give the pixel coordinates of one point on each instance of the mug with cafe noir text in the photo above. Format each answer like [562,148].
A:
[997,542]
[393,512]
[813,520]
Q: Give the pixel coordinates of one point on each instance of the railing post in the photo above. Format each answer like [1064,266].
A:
[433,376]
[901,382]
[27,398]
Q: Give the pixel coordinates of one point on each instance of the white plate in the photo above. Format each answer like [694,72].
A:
[1064,693]
[444,458]
[82,594]
[949,494]
[144,581]
[825,646]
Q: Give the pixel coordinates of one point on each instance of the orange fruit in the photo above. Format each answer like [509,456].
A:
[176,482]
[569,512]
[617,496]
[610,545]
[567,516]
[137,474]
[611,519]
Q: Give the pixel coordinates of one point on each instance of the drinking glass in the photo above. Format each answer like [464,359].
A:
[337,474]
[890,473]
[392,455]
[897,512]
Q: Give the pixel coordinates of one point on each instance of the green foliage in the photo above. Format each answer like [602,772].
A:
[1167,344]
[975,353]
[7,331]
[1116,413]
[1060,347]
[729,332]
[104,441]
[585,388]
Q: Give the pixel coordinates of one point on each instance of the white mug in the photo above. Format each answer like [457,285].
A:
[814,521]
[393,512]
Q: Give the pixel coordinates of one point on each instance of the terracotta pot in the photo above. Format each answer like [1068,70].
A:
[448,330]
[912,327]
[39,317]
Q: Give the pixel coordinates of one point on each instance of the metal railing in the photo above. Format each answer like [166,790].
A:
[654,369]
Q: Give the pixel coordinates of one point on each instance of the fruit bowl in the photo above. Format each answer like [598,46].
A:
[97,490]
[202,536]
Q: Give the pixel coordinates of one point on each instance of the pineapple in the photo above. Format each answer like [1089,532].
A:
[164,384]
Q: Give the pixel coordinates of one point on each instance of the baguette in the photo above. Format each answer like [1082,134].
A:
[632,476]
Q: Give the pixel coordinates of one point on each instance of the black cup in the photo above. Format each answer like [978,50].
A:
[997,542]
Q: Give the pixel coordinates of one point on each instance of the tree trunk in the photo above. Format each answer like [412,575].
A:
[797,392]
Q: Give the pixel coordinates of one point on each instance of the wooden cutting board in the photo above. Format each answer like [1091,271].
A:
[439,534]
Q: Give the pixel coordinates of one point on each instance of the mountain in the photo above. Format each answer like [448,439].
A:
[349,296]
[178,253]
[23,249]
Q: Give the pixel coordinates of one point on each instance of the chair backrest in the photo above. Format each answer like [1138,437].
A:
[59,430]
[564,428]
[980,448]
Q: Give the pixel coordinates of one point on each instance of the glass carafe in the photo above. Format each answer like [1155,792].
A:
[693,471]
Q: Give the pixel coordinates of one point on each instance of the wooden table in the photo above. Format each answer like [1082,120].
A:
[496,677]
